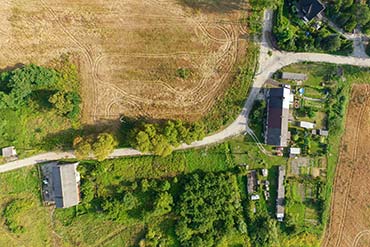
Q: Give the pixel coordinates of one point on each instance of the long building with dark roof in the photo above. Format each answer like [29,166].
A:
[277,117]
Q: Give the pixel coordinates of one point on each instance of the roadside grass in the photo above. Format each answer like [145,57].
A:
[229,105]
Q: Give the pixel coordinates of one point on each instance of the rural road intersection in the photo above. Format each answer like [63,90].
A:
[268,64]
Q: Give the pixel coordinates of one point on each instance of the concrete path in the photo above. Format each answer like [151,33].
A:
[268,64]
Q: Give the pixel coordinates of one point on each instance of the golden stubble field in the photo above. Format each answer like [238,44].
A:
[350,207]
[128,51]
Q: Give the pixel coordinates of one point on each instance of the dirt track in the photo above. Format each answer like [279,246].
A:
[350,208]
[129,51]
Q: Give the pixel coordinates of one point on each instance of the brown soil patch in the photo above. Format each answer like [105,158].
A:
[350,208]
[129,51]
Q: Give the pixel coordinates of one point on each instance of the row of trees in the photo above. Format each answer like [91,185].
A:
[336,110]
[160,139]
[101,146]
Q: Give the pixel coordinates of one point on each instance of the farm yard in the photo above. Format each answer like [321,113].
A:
[154,59]
[349,224]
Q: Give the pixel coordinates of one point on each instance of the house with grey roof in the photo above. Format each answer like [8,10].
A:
[61,184]
[278,102]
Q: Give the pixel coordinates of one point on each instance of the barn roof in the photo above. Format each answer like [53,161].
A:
[66,185]
[277,117]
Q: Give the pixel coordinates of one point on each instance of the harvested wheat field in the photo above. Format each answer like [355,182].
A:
[130,52]
[350,209]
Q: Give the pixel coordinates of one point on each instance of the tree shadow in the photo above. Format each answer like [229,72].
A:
[63,140]
[41,97]
[13,67]
[218,6]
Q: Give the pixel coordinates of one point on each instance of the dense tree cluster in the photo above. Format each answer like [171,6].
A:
[18,86]
[349,14]
[293,34]
[209,208]
[161,139]
[101,147]
[264,232]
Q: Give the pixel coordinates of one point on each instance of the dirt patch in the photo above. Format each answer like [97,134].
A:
[350,208]
[130,51]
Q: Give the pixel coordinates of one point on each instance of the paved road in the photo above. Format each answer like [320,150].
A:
[268,64]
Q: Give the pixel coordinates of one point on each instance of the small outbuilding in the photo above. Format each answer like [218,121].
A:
[295,151]
[306,125]
[9,153]
[255,197]
[265,172]
[323,132]
[293,76]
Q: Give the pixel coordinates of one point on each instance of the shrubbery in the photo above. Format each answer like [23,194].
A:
[12,213]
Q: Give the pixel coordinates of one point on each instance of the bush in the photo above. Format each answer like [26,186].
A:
[183,73]
[331,43]
[104,146]
[13,211]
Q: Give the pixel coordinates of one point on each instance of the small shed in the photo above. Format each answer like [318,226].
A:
[255,197]
[293,76]
[265,172]
[295,151]
[323,132]
[9,152]
[306,125]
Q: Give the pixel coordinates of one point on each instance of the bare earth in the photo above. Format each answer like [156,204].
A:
[129,51]
[350,210]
